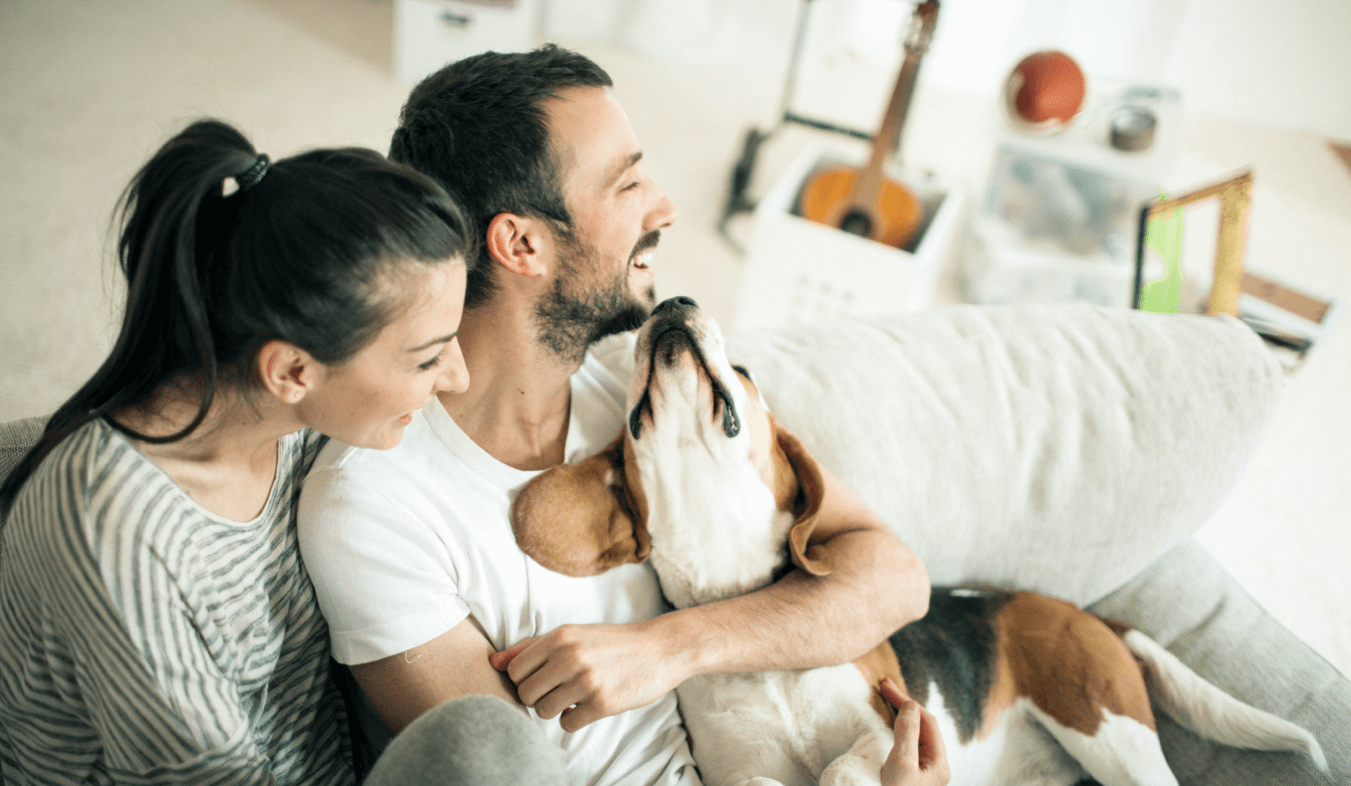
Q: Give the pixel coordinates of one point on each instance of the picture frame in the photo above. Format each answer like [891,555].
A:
[1176,274]
[1165,279]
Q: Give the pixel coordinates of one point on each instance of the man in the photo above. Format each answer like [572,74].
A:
[411,549]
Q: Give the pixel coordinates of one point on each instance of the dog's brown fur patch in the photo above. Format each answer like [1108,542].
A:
[880,663]
[1070,664]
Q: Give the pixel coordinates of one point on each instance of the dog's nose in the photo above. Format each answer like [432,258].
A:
[670,302]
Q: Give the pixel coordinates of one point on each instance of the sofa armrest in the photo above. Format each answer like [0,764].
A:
[1187,603]
[17,437]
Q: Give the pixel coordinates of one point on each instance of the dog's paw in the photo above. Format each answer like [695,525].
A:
[854,772]
[861,766]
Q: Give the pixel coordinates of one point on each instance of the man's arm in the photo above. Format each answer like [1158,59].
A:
[367,553]
[454,664]
[878,585]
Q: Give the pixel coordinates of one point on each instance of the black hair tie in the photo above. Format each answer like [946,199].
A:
[249,177]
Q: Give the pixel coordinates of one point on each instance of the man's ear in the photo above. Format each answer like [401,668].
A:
[579,519]
[519,243]
[287,371]
[811,490]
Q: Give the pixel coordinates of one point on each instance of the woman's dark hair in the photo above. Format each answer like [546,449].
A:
[479,127]
[303,254]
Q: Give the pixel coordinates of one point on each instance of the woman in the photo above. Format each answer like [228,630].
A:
[157,625]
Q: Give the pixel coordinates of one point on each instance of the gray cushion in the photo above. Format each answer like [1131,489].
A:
[16,438]
[1055,448]
[1187,603]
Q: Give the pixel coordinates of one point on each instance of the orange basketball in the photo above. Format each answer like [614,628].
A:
[1045,89]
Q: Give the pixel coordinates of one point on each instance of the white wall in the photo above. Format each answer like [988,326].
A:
[1279,62]
[1285,63]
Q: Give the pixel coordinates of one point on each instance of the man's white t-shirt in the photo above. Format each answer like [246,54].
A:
[404,544]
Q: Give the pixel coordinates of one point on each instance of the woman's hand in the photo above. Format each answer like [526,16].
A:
[918,757]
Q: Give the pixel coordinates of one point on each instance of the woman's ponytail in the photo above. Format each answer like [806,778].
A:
[173,215]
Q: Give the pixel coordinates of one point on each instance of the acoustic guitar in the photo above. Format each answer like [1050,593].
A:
[865,201]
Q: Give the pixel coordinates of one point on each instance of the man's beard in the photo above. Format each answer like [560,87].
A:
[567,322]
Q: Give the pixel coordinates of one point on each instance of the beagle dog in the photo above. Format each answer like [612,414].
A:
[1027,689]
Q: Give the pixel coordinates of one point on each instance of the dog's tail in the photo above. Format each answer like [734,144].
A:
[1209,711]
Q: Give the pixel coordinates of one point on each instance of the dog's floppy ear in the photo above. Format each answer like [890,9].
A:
[578,519]
[811,489]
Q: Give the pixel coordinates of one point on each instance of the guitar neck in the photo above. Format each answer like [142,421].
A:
[869,180]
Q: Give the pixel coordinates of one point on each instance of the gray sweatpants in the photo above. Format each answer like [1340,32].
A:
[471,741]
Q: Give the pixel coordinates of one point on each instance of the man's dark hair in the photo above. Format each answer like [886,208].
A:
[478,127]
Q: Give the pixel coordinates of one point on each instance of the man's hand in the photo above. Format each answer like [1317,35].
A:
[918,758]
[588,672]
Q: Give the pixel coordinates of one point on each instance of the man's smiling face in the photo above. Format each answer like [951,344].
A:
[605,273]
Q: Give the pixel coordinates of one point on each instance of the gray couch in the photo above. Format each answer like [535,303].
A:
[1066,449]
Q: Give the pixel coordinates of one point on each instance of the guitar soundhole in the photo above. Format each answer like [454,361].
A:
[857,223]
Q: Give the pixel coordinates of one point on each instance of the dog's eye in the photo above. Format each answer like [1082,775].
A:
[743,371]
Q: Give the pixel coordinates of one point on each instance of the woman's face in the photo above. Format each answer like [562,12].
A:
[369,400]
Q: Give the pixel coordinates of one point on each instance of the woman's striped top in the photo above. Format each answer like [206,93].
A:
[144,639]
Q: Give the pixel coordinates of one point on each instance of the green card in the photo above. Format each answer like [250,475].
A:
[1164,236]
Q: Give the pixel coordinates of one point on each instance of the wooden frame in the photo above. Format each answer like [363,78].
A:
[1228,280]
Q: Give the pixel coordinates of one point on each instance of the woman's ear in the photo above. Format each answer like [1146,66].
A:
[518,243]
[288,372]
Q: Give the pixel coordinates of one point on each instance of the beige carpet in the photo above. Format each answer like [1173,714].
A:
[88,90]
